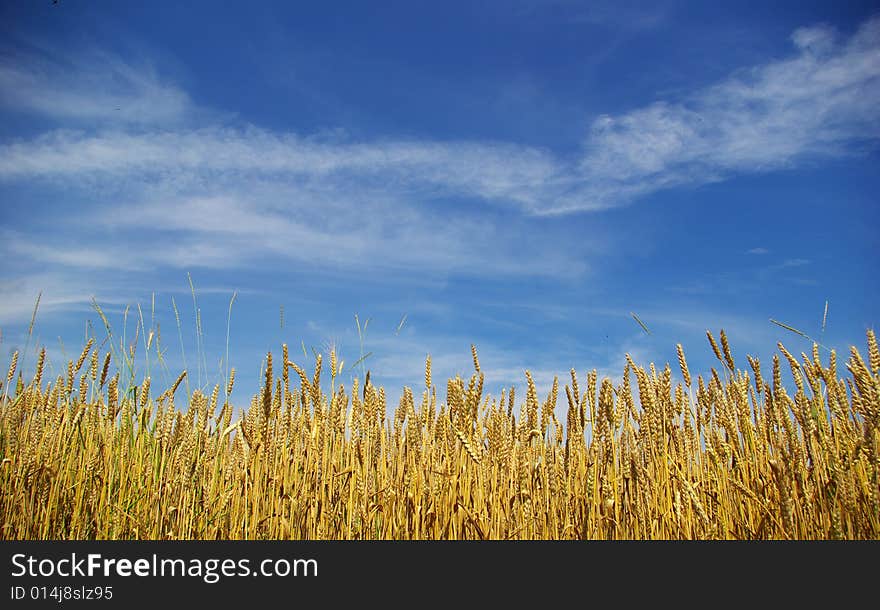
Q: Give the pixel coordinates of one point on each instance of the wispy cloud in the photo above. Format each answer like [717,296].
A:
[492,171]
[793,262]
[254,225]
[219,196]
[822,101]
[319,230]
[168,193]
[758,251]
[90,87]
[626,15]
[17,245]
[752,279]
[19,293]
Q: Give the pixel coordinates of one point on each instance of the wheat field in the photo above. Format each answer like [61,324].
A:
[732,455]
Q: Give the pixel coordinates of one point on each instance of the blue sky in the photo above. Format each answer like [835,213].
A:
[520,175]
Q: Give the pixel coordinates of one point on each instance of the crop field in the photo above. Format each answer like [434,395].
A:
[737,453]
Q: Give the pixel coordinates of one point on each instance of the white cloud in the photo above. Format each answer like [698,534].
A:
[75,255]
[319,231]
[817,39]
[253,225]
[493,171]
[793,262]
[822,101]
[94,86]
[758,251]
[611,14]
[18,294]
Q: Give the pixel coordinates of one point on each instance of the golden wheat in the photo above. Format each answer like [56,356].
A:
[727,459]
